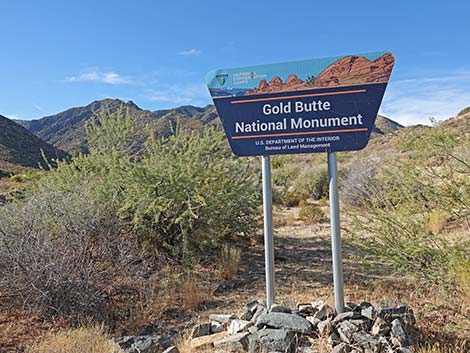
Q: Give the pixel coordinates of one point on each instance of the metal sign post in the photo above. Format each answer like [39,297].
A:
[310,106]
[338,282]
[268,230]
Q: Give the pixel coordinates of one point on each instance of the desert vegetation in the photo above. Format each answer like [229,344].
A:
[85,240]
[149,228]
[418,208]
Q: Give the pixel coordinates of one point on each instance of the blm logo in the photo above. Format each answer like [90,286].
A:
[221,79]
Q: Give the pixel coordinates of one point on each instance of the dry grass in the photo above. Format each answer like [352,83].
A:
[184,344]
[80,340]
[171,291]
[312,214]
[279,221]
[284,220]
[192,295]
[228,262]
[437,348]
[437,221]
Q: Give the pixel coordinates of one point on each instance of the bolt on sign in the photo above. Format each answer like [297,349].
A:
[319,105]
[311,106]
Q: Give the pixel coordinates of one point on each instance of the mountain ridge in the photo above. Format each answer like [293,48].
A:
[20,147]
[66,131]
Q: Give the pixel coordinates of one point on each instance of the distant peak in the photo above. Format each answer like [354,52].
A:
[132,104]
[112,103]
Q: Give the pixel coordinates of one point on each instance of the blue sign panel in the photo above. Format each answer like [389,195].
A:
[320,105]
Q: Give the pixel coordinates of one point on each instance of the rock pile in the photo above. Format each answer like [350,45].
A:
[146,344]
[362,328]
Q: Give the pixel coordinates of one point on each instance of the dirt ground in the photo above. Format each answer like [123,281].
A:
[303,273]
[303,269]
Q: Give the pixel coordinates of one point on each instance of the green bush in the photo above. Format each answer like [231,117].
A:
[185,193]
[293,198]
[283,174]
[402,220]
[191,194]
[312,182]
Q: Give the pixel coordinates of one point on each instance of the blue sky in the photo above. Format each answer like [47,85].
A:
[60,54]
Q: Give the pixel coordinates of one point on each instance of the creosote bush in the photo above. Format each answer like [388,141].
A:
[403,218]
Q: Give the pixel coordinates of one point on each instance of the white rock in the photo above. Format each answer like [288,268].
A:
[222,318]
[237,326]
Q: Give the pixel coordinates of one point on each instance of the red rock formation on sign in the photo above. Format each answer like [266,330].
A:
[347,71]
[275,85]
[381,68]
[292,83]
[352,70]
[293,80]
[275,82]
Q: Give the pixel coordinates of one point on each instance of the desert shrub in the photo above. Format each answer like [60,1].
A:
[313,182]
[71,245]
[359,180]
[185,193]
[278,161]
[191,194]
[293,198]
[312,214]
[404,220]
[228,262]
[283,175]
[63,254]
[79,340]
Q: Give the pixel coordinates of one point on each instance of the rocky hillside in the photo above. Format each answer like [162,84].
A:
[66,130]
[187,110]
[384,126]
[19,147]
